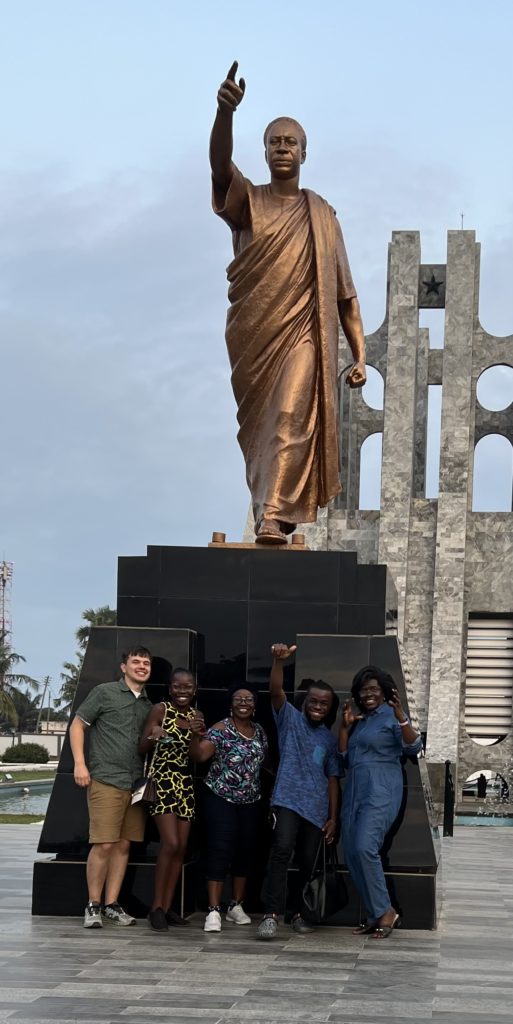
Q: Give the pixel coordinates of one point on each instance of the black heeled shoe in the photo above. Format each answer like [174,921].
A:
[384,930]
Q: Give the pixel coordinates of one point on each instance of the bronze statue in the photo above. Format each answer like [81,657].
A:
[289,283]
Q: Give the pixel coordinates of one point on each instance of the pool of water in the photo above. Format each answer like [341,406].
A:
[482,819]
[14,801]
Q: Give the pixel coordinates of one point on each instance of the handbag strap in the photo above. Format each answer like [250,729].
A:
[148,762]
[315,865]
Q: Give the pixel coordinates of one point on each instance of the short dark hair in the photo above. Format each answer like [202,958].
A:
[178,671]
[319,684]
[383,679]
[291,120]
[232,690]
[137,651]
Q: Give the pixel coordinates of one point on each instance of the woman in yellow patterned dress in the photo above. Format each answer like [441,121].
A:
[167,733]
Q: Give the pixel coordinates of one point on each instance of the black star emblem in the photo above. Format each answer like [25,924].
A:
[433,285]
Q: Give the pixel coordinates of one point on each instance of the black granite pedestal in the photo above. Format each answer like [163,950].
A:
[217,612]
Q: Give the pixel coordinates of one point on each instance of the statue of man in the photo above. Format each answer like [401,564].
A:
[289,284]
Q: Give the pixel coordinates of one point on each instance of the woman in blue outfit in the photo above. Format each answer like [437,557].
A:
[372,743]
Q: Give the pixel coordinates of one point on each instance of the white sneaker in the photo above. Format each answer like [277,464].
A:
[237,914]
[212,922]
[93,915]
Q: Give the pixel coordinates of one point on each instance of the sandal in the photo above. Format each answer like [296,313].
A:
[269,533]
[364,929]
[383,931]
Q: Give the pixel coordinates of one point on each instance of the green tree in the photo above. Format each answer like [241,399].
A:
[26,708]
[11,680]
[69,678]
[104,616]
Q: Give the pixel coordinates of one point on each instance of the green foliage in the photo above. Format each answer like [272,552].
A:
[70,678]
[20,819]
[103,616]
[27,774]
[26,753]
[10,681]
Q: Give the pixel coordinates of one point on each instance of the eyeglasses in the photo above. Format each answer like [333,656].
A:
[243,700]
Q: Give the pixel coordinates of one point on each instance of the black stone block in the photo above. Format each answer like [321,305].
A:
[205,574]
[348,577]
[223,625]
[371,584]
[139,575]
[360,619]
[59,888]
[138,611]
[332,658]
[292,579]
[280,622]
[66,825]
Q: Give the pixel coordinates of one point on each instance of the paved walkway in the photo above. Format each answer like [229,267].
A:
[51,970]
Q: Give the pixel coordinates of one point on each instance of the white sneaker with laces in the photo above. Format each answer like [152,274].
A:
[237,914]
[93,915]
[114,913]
[212,921]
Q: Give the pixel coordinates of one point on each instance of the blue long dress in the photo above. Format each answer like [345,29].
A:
[372,799]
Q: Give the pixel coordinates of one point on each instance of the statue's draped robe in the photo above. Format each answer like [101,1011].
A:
[289,270]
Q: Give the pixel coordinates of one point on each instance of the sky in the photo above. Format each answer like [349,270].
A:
[117,419]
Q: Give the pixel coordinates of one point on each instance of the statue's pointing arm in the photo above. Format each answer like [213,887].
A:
[221,139]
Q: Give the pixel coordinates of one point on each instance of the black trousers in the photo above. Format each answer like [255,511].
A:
[232,833]
[292,834]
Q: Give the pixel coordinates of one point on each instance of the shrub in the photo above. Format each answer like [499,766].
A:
[30,753]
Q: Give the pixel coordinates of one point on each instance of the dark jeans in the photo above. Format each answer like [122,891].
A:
[232,834]
[291,834]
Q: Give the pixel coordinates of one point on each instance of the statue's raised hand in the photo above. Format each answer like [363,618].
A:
[230,94]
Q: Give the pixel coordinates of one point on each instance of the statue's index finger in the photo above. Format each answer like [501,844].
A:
[232,72]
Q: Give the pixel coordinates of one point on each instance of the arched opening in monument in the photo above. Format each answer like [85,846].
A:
[494,389]
[489,679]
[493,474]
[434,320]
[373,390]
[370,472]
[433,434]
[485,784]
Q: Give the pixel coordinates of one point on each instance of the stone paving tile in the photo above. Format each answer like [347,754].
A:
[51,972]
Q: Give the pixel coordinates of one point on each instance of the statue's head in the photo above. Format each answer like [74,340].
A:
[285,147]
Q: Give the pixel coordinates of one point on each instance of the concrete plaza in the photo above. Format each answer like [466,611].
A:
[51,970]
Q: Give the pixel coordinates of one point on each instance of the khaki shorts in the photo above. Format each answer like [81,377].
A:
[111,815]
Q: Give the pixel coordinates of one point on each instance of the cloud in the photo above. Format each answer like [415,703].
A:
[116,390]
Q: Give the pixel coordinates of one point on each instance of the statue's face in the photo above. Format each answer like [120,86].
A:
[283,150]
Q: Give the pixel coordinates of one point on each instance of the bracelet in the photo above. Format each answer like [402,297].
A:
[406,722]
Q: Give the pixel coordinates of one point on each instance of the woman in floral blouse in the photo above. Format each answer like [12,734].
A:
[238,747]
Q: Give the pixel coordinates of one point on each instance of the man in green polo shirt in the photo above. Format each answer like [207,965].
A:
[115,713]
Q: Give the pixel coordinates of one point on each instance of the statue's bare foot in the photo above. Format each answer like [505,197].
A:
[269,533]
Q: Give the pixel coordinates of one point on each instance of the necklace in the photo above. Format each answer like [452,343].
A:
[244,737]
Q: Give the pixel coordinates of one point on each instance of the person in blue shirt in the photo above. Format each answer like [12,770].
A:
[306,793]
[372,743]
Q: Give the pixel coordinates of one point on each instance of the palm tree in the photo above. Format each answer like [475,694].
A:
[70,678]
[103,616]
[9,680]
[26,708]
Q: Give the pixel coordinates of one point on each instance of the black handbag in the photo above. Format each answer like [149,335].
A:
[325,892]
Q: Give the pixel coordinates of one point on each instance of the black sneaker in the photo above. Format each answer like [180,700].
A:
[173,918]
[157,920]
[299,925]
[93,915]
